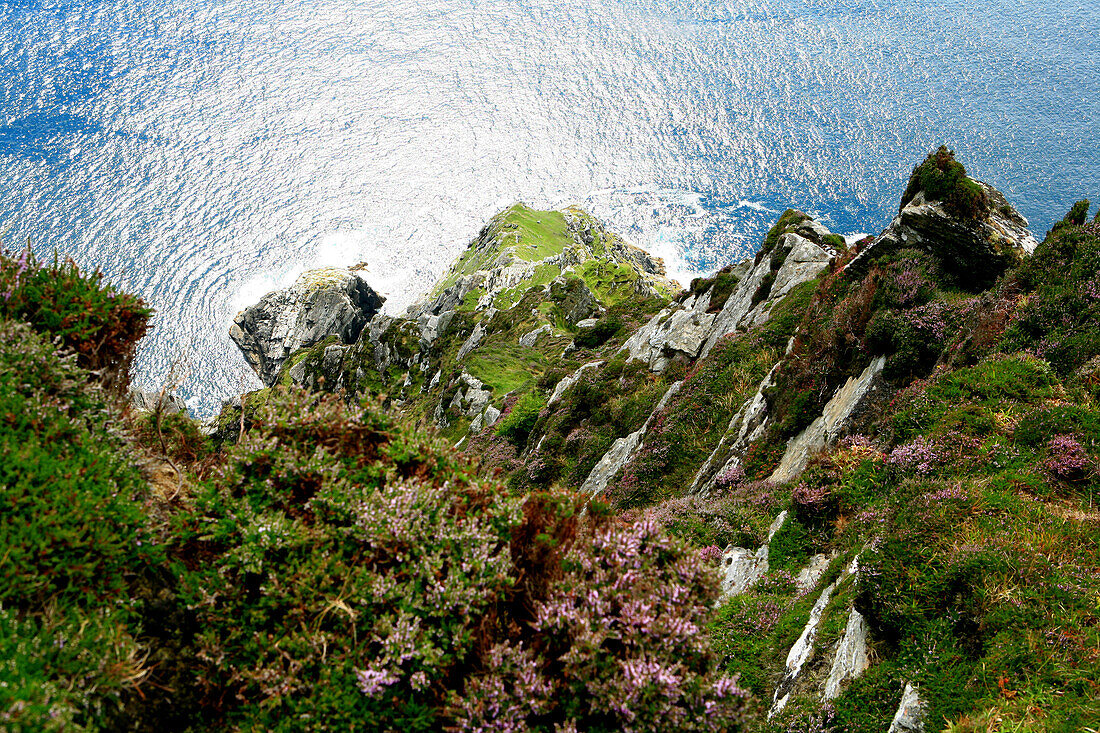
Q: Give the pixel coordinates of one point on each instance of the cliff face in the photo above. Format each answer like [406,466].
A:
[850,433]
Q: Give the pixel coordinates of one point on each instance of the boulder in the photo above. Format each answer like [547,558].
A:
[321,303]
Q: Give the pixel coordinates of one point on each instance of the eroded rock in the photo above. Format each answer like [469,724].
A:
[321,303]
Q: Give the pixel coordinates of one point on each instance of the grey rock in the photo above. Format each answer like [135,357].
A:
[800,652]
[588,323]
[529,339]
[851,658]
[909,717]
[569,381]
[824,431]
[746,425]
[322,303]
[150,400]
[472,341]
[622,450]
[809,576]
[743,568]
[976,250]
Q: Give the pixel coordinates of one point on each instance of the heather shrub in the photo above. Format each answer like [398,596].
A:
[73,526]
[605,328]
[1057,320]
[345,571]
[92,319]
[75,543]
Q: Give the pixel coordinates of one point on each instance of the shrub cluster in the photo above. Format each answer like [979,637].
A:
[90,317]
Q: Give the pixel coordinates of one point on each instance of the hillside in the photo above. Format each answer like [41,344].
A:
[836,486]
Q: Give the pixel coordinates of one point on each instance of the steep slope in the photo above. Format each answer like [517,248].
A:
[888,449]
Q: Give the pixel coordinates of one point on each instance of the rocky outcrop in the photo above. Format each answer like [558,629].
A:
[851,658]
[622,450]
[831,425]
[692,328]
[976,249]
[909,717]
[679,329]
[151,401]
[321,303]
[743,568]
[802,253]
[800,652]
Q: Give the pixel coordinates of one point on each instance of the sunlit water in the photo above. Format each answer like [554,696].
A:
[203,153]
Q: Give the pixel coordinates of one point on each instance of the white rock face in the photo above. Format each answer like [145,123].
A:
[321,303]
[824,430]
[805,261]
[677,329]
[800,652]
[909,717]
[529,339]
[809,576]
[743,568]
[569,381]
[852,658]
[622,450]
[747,424]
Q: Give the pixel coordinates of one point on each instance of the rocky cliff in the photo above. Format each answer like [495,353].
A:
[838,427]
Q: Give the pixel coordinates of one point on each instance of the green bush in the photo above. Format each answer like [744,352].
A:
[517,424]
[942,178]
[72,526]
[605,329]
[101,325]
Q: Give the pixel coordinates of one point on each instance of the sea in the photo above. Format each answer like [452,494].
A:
[202,153]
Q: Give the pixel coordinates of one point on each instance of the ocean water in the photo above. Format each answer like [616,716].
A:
[203,153]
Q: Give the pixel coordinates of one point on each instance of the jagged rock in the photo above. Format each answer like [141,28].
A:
[826,429]
[434,326]
[576,301]
[809,576]
[800,652]
[747,424]
[321,303]
[851,658]
[976,250]
[529,339]
[743,568]
[150,400]
[569,381]
[622,450]
[588,323]
[808,257]
[678,329]
[909,717]
[472,341]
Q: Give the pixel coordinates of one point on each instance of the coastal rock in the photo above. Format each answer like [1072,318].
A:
[529,339]
[743,568]
[151,400]
[746,425]
[800,652]
[572,379]
[321,303]
[826,429]
[851,658]
[975,249]
[679,329]
[622,450]
[909,717]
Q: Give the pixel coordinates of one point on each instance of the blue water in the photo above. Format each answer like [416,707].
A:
[203,153]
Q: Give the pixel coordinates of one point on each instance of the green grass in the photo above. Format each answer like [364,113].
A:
[505,367]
